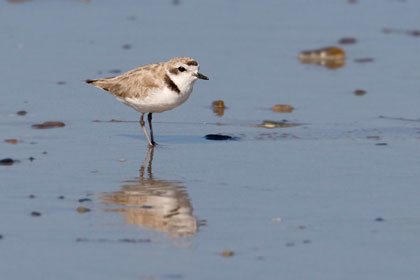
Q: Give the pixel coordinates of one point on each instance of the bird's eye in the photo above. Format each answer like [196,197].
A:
[181,69]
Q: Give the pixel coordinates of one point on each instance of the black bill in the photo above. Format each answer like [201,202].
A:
[201,76]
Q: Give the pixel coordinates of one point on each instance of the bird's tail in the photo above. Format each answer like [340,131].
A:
[90,81]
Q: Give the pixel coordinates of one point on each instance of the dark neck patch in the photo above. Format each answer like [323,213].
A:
[171,85]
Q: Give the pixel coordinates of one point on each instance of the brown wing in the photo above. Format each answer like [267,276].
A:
[135,83]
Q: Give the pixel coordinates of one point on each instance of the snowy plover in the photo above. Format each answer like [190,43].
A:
[154,88]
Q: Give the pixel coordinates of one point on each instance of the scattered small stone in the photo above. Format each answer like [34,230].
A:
[330,57]
[11,141]
[85,200]
[301,227]
[275,124]
[122,160]
[218,107]
[379,219]
[381,144]
[44,153]
[35,214]
[82,209]
[6,161]
[50,124]
[31,158]
[131,240]
[123,240]
[1,236]
[347,41]
[290,244]
[61,83]
[219,137]
[31,196]
[306,241]
[352,1]
[114,71]
[375,137]
[359,92]
[282,108]
[227,253]
[126,46]
[276,220]
[218,104]
[21,113]
[61,197]
[364,60]
[415,33]
[17,1]
[176,2]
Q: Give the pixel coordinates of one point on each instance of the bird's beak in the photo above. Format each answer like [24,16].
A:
[201,76]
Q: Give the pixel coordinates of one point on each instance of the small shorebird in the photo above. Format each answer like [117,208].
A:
[154,88]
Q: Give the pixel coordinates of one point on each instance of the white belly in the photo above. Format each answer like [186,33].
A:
[157,101]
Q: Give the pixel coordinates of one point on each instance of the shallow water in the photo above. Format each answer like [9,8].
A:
[333,198]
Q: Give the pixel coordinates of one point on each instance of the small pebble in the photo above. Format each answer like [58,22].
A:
[82,209]
[31,158]
[61,83]
[290,244]
[282,108]
[219,137]
[35,214]
[218,104]
[85,200]
[301,227]
[61,197]
[364,60]
[21,113]
[375,137]
[379,219]
[114,71]
[1,236]
[276,220]
[122,160]
[330,57]
[359,92]
[31,196]
[126,46]
[7,161]
[306,241]
[218,107]
[275,124]
[11,141]
[381,144]
[44,153]
[131,240]
[50,124]
[347,41]
[227,253]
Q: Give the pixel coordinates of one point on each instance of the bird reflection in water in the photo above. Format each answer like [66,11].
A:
[159,205]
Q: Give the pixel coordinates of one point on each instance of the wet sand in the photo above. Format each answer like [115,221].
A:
[326,190]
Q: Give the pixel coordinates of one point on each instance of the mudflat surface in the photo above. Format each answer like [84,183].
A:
[334,197]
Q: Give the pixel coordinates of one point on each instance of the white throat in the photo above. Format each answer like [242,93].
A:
[183,82]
